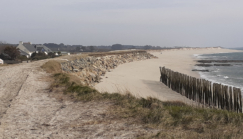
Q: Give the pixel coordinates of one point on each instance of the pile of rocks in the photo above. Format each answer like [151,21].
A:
[90,68]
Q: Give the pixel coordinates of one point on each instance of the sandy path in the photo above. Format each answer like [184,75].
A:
[141,78]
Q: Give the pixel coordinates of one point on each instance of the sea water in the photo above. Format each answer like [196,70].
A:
[227,75]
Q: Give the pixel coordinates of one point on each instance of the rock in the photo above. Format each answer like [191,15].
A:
[90,68]
[222,64]
[200,70]
[204,65]
[76,70]
[220,61]
[92,75]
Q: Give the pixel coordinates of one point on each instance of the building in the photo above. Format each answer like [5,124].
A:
[42,48]
[23,53]
[27,48]
[1,61]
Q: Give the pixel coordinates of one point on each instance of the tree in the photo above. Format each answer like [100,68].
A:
[61,44]
[12,51]
[2,47]
[92,48]
[117,47]
[83,48]
[78,48]
[147,47]
[51,54]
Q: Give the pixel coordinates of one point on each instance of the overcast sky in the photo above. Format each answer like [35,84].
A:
[139,22]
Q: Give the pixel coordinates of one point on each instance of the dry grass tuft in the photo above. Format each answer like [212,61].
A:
[52,66]
[74,57]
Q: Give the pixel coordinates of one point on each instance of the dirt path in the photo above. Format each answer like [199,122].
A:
[28,110]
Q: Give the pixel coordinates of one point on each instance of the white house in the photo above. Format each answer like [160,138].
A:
[27,49]
[1,61]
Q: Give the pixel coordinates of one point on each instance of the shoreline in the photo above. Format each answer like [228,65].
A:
[141,78]
[208,76]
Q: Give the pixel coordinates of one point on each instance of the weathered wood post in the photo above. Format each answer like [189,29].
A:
[220,95]
[211,94]
[203,91]
[161,75]
[235,98]
[214,95]
[240,99]
[231,101]
[226,97]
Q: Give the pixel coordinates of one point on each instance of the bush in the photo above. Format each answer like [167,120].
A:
[39,56]
[22,58]
[52,66]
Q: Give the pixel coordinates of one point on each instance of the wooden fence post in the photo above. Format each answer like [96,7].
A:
[203,91]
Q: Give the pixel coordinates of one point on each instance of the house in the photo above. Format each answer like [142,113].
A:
[1,61]
[42,48]
[27,48]
[23,53]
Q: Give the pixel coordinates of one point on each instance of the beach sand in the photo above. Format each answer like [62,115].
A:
[142,78]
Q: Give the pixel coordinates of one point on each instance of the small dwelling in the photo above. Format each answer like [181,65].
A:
[43,49]
[1,61]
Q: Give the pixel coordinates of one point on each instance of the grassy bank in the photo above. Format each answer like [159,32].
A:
[171,119]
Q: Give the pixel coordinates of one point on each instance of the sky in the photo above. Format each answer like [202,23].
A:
[193,23]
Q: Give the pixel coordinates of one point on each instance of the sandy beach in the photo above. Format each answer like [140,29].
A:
[141,78]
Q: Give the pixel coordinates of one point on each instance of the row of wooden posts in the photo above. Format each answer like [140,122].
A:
[203,91]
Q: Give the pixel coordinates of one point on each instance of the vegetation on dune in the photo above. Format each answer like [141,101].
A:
[171,119]
[174,119]
[52,66]
[42,55]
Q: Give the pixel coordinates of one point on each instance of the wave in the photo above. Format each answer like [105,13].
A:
[200,56]
[213,80]
[217,70]
[230,76]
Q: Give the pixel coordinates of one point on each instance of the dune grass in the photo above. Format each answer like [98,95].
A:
[52,66]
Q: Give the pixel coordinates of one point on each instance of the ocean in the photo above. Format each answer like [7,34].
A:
[227,75]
